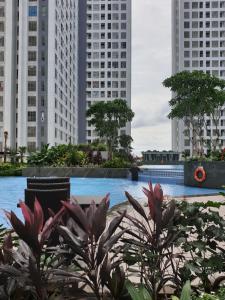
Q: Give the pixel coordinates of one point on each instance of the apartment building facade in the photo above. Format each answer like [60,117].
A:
[38,72]
[198,43]
[107,58]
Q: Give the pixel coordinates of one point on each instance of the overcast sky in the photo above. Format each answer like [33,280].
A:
[151,34]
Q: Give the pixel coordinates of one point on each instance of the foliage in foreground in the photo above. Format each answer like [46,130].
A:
[80,253]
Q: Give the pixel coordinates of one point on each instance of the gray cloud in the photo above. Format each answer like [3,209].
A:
[151,65]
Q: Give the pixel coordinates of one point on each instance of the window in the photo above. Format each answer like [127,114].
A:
[31,115]
[31,146]
[32,56]
[186,44]
[2,41]
[31,131]
[1,56]
[32,71]
[186,15]
[31,101]
[123,94]
[2,28]
[2,11]
[32,26]
[32,11]
[32,41]
[31,86]
[186,54]
[186,64]
[1,71]
[186,25]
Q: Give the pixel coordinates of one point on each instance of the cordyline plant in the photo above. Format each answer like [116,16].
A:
[91,247]
[149,242]
[24,270]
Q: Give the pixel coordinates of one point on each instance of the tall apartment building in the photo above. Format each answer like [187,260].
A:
[107,48]
[38,72]
[198,43]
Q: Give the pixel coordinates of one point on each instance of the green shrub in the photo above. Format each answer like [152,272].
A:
[75,158]
[11,169]
[61,155]
[116,162]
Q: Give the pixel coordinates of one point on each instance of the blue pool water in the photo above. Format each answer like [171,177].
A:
[165,167]
[12,189]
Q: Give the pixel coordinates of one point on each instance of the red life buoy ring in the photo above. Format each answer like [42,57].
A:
[200,174]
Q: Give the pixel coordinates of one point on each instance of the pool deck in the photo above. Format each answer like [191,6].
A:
[191,199]
[214,198]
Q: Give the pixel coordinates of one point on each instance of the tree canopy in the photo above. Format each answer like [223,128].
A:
[196,95]
[108,117]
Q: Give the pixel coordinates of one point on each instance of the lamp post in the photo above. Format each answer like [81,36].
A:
[5,144]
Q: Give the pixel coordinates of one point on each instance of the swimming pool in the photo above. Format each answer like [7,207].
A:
[12,189]
[165,167]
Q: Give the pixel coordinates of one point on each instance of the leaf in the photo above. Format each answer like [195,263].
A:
[77,213]
[36,279]
[38,216]
[136,205]
[158,193]
[99,220]
[7,243]
[17,225]
[90,212]
[28,215]
[133,291]
[50,225]
[168,213]
[73,242]
[105,270]
[68,235]
[112,228]
[186,291]
[138,294]
[113,240]
[144,293]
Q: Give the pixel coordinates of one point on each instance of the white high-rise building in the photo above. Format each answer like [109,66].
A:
[38,72]
[198,43]
[108,57]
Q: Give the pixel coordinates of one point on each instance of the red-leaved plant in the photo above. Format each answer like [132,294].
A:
[91,244]
[28,264]
[34,231]
[149,241]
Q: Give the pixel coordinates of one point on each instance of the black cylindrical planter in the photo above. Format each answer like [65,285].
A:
[134,173]
[49,192]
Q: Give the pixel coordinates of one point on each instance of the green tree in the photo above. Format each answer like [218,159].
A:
[108,117]
[197,95]
[125,143]
[22,150]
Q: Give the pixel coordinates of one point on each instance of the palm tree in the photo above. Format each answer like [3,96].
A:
[13,153]
[22,150]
